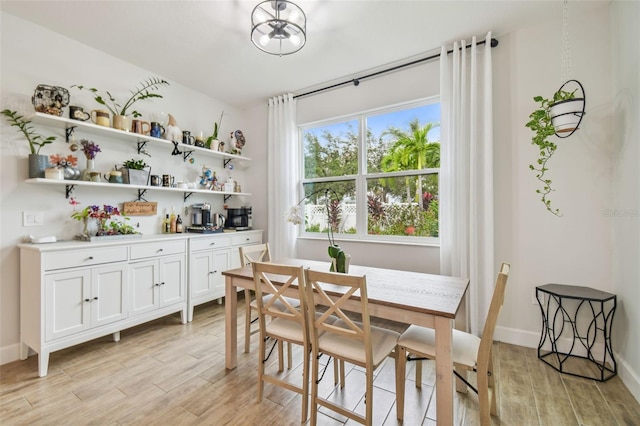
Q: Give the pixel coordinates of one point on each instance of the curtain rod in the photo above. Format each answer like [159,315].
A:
[356,81]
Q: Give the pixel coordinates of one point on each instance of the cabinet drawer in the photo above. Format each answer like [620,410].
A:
[160,248]
[87,257]
[209,243]
[241,240]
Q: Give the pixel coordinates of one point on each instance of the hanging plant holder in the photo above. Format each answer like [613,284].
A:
[566,114]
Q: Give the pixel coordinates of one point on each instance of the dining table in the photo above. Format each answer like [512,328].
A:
[428,300]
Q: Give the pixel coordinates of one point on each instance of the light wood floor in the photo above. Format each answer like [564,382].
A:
[166,373]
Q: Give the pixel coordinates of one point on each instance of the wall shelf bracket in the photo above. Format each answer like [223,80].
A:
[226,197]
[187,195]
[68,132]
[141,193]
[186,154]
[226,161]
[141,145]
[69,190]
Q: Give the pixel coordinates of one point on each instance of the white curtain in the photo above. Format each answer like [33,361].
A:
[466,174]
[282,173]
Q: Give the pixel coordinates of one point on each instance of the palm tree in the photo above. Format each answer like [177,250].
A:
[412,151]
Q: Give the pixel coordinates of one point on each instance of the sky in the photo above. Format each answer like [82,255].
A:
[400,119]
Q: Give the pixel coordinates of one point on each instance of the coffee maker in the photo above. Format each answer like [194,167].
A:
[201,214]
[239,218]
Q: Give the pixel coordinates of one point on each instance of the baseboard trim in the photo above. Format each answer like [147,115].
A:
[9,353]
[530,339]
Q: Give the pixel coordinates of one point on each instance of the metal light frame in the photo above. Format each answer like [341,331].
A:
[278,27]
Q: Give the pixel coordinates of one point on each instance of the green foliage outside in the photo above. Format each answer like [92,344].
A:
[397,206]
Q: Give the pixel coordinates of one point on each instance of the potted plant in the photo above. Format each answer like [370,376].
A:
[37,162]
[541,123]
[119,110]
[212,141]
[136,172]
[105,218]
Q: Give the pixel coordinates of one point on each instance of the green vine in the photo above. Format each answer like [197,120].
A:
[540,124]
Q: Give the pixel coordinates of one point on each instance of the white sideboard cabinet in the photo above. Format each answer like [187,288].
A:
[72,292]
[209,256]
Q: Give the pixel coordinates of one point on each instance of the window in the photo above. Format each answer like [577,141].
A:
[374,175]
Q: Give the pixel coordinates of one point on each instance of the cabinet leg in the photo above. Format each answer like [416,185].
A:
[24,351]
[190,313]
[219,300]
[43,363]
[116,336]
[183,315]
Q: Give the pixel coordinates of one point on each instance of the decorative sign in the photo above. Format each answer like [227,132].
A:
[140,208]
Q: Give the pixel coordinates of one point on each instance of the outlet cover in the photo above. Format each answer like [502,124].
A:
[32,218]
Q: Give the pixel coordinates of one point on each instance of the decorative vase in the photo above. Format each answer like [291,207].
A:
[85,222]
[37,164]
[86,173]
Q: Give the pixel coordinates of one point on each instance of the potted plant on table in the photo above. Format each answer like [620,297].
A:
[136,172]
[105,217]
[144,90]
[37,162]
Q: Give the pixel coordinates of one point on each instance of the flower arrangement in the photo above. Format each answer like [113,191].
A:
[103,215]
[294,216]
[61,162]
[90,148]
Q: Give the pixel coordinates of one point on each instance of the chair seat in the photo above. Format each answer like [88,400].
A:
[288,330]
[383,342]
[423,340]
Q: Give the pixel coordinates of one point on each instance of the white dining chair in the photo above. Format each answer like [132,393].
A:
[469,352]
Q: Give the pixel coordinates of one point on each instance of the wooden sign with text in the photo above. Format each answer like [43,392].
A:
[140,208]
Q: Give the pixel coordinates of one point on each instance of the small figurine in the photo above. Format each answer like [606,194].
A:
[237,142]
[173,132]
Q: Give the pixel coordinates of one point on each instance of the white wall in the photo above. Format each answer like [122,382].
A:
[625,206]
[44,57]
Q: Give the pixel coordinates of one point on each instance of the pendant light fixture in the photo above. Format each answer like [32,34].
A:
[278,27]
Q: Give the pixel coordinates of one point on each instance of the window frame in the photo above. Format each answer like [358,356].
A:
[362,176]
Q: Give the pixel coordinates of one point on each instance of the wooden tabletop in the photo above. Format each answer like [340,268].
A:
[394,288]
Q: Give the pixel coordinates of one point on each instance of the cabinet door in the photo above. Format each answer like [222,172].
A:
[68,303]
[172,280]
[201,274]
[109,294]
[144,282]
[221,261]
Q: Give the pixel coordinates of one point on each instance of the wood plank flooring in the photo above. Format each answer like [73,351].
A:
[166,373]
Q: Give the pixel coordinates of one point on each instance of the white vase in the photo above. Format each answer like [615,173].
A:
[91,164]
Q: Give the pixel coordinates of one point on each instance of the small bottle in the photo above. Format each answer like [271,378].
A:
[172,223]
[166,224]
[179,225]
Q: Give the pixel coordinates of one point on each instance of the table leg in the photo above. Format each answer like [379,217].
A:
[230,324]
[444,371]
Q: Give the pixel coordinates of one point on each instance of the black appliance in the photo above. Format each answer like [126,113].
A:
[239,219]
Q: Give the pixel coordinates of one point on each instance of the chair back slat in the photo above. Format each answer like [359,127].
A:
[275,279]
[333,291]
[254,253]
[484,351]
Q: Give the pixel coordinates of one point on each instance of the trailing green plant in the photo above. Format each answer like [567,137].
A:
[540,124]
[144,90]
[36,142]
[135,164]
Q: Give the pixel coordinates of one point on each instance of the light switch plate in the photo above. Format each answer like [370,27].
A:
[32,218]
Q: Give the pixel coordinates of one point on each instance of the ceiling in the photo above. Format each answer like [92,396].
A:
[206,45]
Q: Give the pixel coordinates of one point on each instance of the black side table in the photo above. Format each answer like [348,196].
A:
[562,329]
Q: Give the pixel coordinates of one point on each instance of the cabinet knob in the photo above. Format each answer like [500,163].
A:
[95,298]
[159,250]
[157,284]
[212,244]
[87,300]
[212,272]
[162,283]
[90,258]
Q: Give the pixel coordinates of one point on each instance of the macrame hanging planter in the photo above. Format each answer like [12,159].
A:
[569,101]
